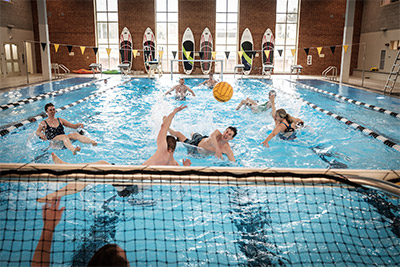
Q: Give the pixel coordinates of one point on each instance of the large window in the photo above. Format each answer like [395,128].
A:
[167,31]
[286,34]
[226,32]
[107,32]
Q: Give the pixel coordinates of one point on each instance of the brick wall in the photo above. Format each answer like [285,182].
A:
[376,17]
[18,13]
[257,15]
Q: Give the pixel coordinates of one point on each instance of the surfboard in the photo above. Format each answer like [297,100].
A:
[268,44]
[188,46]
[206,48]
[149,48]
[246,46]
[125,47]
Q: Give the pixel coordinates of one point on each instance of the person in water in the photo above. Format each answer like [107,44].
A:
[254,106]
[52,128]
[285,125]
[210,82]
[164,156]
[180,90]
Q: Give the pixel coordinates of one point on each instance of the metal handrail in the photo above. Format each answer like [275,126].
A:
[64,68]
[334,73]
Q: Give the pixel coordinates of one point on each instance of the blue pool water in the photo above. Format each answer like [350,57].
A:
[208,225]
[125,121]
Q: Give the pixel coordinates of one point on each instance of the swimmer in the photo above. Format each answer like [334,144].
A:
[210,82]
[217,142]
[53,129]
[285,125]
[164,156]
[180,90]
[254,106]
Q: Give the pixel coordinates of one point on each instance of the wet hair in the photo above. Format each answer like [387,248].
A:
[171,142]
[47,106]
[234,130]
[108,256]
[284,115]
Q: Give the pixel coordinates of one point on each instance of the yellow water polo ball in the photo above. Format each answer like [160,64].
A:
[223,91]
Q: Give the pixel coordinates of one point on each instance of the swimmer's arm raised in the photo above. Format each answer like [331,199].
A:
[161,138]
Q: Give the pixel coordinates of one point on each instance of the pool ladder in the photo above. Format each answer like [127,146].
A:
[394,73]
[56,67]
[329,69]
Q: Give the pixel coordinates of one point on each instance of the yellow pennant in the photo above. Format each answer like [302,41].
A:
[134,51]
[56,46]
[83,49]
[214,54]
[187,54]
[108,51]
[240,53]
[319,49]
[160,54]
[266,52]
[345,48]
[293,51]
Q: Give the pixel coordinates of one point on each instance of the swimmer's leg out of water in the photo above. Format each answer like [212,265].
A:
[247,101]
[82,139]
[67,143]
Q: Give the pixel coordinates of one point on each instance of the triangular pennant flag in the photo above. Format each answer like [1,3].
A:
[174,54]
[43,46]
[69,48]
[134,51]
[240,53]
[108,51]
[214,54]
[266,52]
[187,54]
[201,54]
[83,49]
[333,49]
[280,52]
[307,50]
[293,51]
[345,48]
[319,50]
[160,54]
[95,50]
[227,54]
[56,46]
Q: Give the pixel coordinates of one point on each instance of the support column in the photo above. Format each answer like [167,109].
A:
[347,40]
[44,38]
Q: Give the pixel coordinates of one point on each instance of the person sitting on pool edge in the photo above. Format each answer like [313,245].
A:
[254,106]
[163,156]
[216,142]
[210,82]
[180,90]
[53,129]
[285,125]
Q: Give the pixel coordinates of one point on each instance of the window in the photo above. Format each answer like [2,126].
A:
[167,31]
[286,34]
[226,32]
[382,60]
[387,2]
[107,32]
[394,45]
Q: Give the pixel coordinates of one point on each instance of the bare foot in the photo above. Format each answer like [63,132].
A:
[94,143]
[77,148]
[56,159]
[163,118]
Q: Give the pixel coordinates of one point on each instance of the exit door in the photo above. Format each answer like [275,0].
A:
[12,59]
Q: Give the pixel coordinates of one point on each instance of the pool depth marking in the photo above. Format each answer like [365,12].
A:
[44,115]
[354,125]
[45,95]
[359,103]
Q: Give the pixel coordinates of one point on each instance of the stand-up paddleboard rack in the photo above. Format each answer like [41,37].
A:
[96,66]
[198,60]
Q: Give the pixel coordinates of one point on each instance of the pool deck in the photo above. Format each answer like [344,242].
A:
[369,84]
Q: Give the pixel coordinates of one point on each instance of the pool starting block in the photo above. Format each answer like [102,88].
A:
[295,69]
[154,66]
[267,70]
[240,68]
[96,67]
[125,68]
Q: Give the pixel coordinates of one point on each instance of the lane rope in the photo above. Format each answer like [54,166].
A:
[6,129]
[352,101]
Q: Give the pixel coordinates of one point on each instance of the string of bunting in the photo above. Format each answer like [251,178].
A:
[250,53]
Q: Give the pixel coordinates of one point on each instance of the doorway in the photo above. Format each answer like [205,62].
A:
[12,59]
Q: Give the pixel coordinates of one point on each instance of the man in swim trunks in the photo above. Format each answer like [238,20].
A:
[180,90]
[210,82]
[53,129]
[217,142]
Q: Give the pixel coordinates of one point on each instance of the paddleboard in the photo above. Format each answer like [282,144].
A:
[188,46]
[125,47]
[149,48]
[268,44]
[206,48]
[246,46]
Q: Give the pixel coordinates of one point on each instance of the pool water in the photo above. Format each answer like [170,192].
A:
[125,122]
